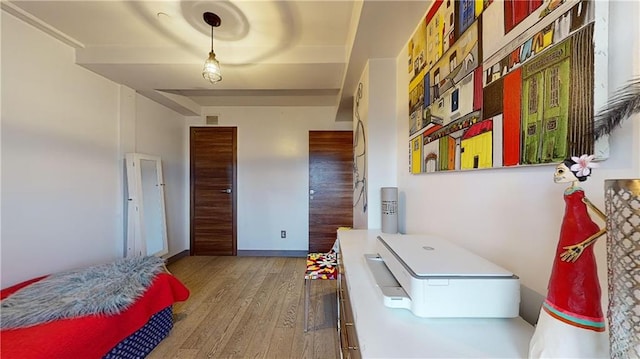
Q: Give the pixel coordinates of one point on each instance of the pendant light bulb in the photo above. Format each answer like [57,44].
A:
[211,71]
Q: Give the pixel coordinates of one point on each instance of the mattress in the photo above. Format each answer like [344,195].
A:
[145,339]
[131,334]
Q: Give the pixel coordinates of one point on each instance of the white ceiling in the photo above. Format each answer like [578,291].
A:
[272,52]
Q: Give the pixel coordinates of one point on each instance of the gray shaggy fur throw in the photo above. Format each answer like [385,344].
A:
[105,289]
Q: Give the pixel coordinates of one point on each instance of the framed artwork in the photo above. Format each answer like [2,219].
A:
[505,83]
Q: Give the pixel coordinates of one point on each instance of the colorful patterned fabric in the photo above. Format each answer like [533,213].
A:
[322,265]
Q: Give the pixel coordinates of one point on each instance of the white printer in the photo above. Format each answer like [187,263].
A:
[435,278]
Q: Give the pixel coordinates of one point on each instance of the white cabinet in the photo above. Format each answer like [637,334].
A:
[146,220]
[347,335]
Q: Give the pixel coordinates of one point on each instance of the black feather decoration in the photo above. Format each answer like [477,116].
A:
[624,103]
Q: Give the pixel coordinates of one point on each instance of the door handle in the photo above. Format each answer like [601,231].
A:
[228,190]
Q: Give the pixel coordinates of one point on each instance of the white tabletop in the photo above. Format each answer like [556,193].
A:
[396,333]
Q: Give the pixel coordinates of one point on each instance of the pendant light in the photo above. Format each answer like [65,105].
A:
[211,71]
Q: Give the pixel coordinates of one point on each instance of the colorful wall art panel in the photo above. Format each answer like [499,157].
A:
[503,83]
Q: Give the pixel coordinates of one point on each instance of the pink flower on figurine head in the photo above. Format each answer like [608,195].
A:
[582,165]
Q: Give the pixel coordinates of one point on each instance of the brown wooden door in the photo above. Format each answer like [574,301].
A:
[330,186]
[213,191]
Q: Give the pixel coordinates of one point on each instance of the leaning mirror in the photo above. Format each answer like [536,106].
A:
[146,220]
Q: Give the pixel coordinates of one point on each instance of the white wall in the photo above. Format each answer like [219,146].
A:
[64,134]
[160,132]
[377,113]
[381,129]
[362,208]
[273,171]
[59,165]
[513,216]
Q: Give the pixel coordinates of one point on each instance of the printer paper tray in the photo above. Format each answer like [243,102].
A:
[394,295]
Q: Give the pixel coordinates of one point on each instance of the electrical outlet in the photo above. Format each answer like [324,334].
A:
[283,234]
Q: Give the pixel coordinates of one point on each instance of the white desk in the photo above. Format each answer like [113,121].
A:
[396,333]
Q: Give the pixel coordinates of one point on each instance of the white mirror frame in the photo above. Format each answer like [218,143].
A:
[146,224]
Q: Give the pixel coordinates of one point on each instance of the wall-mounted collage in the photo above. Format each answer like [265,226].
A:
[504,83]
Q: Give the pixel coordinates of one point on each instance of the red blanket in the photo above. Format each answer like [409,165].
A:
[90,336]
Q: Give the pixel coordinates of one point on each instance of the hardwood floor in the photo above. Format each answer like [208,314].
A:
[250,307]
